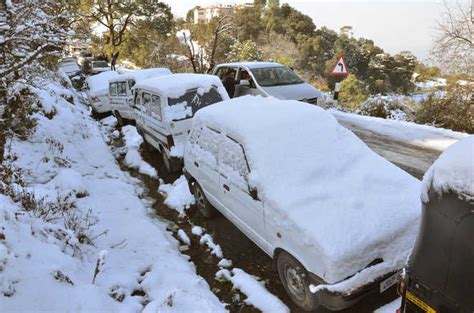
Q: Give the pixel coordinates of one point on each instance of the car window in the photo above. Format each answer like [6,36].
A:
[276,76]
[122,89]
[233,162]
[137,98]
[146,100]
[100,64]
[205,143]
[221,72]
[155,107]
[188,104]
[113,89]
[131,83]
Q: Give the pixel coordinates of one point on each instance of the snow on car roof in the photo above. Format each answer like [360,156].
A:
[350,204]
[452,171]
[176,85]
[252,65]
[142,74]
[100,83]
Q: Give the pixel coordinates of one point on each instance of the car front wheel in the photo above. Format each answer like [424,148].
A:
[202,203]
[294,278]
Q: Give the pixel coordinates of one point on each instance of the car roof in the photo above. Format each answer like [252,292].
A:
[252,65]
[176,85]
[139,75]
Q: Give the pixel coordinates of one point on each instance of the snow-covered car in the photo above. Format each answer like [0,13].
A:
[338,219]
[440,272]
[265,79]
[121,92]
[99,66]
[164,107]
[69,66]
[98,92]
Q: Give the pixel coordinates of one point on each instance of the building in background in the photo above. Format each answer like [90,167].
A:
[206,14]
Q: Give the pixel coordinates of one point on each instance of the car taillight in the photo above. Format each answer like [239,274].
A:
[170,141]
[398,311]
[94,98]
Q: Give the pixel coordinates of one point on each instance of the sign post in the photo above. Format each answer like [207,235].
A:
[339,71]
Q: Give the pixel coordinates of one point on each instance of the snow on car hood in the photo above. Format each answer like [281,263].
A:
[323,183]
[293,92]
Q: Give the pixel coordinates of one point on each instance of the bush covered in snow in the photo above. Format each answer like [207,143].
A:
[388,107]
[454,110]
[352,93]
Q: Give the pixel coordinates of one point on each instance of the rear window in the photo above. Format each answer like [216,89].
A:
[100,64]
[188,104]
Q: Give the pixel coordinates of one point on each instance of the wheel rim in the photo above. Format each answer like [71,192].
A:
[201,202]
[295,282]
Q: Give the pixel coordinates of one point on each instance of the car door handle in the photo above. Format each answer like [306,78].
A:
[226,187]
[196,164]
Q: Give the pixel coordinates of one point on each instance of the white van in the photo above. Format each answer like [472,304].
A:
[265,79]
[121,92]
[164,107]
[98,89]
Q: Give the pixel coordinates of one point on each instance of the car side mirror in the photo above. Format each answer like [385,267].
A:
[245,83]
[254,193]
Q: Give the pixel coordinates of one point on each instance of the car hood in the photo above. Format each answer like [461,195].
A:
[293,92]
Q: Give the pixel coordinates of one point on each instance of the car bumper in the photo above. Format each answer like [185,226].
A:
[336,301]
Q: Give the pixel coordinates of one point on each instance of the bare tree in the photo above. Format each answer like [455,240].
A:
[191,50]
[454,47]
[224,25]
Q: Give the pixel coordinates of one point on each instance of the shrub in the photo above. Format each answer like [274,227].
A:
[454,110]
[386,107]
[352,93]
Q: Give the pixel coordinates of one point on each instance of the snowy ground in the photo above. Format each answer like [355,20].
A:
[391,307]
[87,242]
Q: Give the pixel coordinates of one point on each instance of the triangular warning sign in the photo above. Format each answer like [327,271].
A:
[340,68]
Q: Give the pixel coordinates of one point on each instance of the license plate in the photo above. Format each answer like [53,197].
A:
[419,303]
[389,282]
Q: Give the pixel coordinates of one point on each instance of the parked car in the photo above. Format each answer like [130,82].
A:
[164,107]
[265,79]
[98,92]
[70,67]
[440,272]
[338,219]
[121,91]
[99,66]
[83,56]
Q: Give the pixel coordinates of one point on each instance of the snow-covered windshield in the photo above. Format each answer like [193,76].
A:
[100,64]
[189,103]
[276,76]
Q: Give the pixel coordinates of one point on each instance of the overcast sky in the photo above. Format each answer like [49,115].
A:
[393,25]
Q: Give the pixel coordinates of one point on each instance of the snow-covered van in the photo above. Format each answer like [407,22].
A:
[337,218]
[265,79]
[164,107]
[98,92]
[440,272]
[121,91]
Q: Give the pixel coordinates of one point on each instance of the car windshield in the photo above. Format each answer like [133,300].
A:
[276,76]
[188,104]
[100,64]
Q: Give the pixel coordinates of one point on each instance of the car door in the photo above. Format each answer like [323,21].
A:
[245,211]
[243,90]
[138,108]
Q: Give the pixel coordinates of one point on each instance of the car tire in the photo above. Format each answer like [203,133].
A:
[295,280]
[206,209]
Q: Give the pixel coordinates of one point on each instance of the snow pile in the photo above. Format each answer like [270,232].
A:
[391,307]
[68,181]
[420,135]
[99,84]
[178,195]
[431,84]
[257,294]
[143,270]
[176,85]
[133,158]
[452,171]
[339,198]
[209,242]
[388,107]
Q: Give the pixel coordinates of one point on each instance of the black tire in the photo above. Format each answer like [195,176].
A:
[295,280]
[206,209]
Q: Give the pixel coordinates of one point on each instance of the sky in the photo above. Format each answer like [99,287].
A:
[393,25]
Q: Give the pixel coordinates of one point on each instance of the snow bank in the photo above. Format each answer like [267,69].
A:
[391,307]
[176,85]
[421,135]
[257,295]
[99,84]
[39,275]
[452,171]
[133,158]
[178,195]
[345,203]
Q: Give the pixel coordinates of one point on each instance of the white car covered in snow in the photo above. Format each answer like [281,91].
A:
[98,92]
[338,219]
[265,79]
[121,91]
[164,107]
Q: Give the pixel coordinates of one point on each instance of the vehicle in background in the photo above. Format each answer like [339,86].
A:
[121,92]
[164,107]
[440,272]
[83,56]
[70,67]
[265,79]
[98,92]
[99,66]
[303,188]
